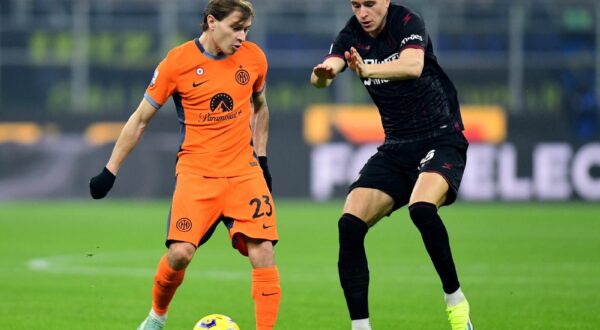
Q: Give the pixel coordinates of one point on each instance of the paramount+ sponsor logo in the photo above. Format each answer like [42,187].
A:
[221,107]
[209,117]
[221,102]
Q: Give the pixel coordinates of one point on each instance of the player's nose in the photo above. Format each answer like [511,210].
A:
[363,12]
[241,37]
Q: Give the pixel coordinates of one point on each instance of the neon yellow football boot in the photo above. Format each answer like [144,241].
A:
[459,316]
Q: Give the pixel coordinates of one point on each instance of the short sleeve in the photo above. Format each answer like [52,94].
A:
[162,85]
[261,80]
[342,43]
[412,33]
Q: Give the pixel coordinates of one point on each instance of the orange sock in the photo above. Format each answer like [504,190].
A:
[166,282]
[267,295]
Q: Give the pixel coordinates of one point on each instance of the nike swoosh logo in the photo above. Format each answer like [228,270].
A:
[198,84]
[269,294]
[266,227]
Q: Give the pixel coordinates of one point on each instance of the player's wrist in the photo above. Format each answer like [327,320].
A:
[112,168]
[365,71]
[101,184]
[107,172]
[262,160]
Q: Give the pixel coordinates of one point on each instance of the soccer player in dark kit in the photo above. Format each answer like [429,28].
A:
[422,159]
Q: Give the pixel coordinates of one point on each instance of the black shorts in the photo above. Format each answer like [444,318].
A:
[394,169]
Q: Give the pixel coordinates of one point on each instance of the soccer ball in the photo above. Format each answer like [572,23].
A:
[216,322]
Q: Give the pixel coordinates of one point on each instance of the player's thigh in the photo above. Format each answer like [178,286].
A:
[441,170]
[368,204]
[195,208]
[430,187]
[251,208]
[384,185]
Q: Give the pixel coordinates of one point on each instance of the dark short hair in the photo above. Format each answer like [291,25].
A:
[220,9]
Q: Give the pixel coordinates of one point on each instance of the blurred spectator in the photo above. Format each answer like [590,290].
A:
[581,104]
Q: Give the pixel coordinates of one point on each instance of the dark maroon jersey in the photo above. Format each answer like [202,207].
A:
[411,110]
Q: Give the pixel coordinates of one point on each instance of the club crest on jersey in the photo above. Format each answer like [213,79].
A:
[184,224]
[199,71]
[242,77]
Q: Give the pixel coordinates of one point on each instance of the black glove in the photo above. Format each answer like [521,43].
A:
[262,160]
[101,184]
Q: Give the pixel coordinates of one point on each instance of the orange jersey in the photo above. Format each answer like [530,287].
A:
[213,96]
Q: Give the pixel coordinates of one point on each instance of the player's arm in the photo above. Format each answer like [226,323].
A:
[324,73]
[260,123]
[130,135]
[260,133]
[409,66]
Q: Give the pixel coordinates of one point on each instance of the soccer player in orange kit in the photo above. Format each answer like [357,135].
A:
[217,83]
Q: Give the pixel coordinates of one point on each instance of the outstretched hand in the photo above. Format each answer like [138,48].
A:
[324,71]
[101,184]
[355,62]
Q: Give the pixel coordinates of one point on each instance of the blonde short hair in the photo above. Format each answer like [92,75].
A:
[220,9]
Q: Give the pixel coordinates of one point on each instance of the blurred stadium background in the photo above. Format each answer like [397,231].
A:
[528,75]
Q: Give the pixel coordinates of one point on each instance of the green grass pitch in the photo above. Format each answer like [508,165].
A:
[89,265]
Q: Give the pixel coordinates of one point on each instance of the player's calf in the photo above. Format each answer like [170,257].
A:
[352,265]
[435,237]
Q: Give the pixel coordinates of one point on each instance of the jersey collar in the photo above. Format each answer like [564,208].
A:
[207,54]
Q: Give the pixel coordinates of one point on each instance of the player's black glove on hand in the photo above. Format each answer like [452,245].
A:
[101,184]
[262,160]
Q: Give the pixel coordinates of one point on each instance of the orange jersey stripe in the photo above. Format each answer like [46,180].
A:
[213,96]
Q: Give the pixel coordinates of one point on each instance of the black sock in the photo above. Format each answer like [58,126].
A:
[352,265]
[425,217]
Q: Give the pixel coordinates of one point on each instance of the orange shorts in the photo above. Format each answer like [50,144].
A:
[244,204]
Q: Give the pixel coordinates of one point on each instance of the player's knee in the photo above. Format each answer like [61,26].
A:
[179,256]
[424,215]
[352,257]
[260,253]
[351,229]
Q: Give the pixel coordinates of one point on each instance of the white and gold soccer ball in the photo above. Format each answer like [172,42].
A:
[216,322]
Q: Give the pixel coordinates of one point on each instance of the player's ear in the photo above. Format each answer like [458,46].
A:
[212,21]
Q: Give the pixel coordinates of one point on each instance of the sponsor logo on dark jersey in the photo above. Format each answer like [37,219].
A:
[369,81]
[411,38]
